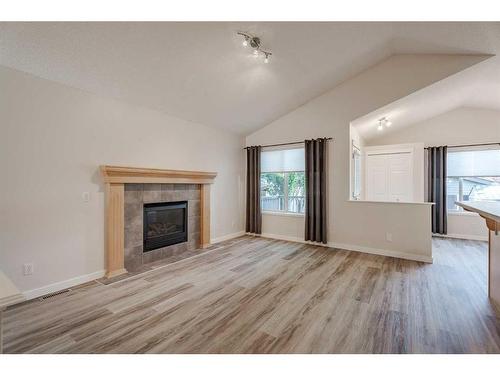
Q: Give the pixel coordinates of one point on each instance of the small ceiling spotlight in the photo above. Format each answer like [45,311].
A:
[383,122]
[266,57]
[255,43]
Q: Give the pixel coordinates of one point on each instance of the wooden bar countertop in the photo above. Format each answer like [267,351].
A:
[490,211]
[487,209]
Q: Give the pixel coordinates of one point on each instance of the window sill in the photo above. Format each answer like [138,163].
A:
[391,202]
[462,213]
[278,213]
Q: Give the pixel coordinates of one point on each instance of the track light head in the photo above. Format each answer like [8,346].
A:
[266,57]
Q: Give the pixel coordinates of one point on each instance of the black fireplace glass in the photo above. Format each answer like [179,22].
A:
[164,224]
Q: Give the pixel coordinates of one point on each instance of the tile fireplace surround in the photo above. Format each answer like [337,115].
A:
[136,195]
[128,188]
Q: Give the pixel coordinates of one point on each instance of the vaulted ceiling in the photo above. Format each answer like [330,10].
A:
[477,86]
[200,71]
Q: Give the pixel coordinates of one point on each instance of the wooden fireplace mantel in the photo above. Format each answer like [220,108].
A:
[116,178]
[130,175]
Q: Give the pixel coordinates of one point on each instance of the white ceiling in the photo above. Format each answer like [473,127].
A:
[477,86]
[200,72]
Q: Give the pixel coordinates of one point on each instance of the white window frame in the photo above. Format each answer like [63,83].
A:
[356,150]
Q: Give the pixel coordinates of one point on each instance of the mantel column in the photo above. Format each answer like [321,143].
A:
[205,216]
[115,232]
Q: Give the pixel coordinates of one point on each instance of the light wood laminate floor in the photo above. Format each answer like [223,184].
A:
[255,295]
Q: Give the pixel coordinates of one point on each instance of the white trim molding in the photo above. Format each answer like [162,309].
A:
[358,248]
[461,213]
[392,202]
[226,237]
[472,237]
[283,213]
[383,252]
[61,285]
[285,238]
[65,284]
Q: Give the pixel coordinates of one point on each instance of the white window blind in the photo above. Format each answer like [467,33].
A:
[473,163]
[290,160]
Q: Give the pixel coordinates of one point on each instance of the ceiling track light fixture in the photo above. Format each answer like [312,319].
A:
[255,43]
[383,122]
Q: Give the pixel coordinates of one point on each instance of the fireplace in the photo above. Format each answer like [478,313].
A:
[165,224]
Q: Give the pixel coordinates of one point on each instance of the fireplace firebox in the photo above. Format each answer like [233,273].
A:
[165,224]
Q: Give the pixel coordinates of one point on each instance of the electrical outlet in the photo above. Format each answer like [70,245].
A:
[28,269]
[86,196]
[388,237]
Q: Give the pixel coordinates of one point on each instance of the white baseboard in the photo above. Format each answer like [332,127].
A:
[383,252]
[361,249]
[463,236]
[284,238]
[52,288]
[227,237]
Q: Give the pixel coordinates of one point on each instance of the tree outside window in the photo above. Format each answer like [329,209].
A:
[283,191]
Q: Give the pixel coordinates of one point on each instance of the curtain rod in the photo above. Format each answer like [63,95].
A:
[286,144]
[472,145]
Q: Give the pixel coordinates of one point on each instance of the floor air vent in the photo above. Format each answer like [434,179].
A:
[47,296]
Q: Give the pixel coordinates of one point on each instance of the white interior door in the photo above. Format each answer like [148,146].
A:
[399,169]
[376,178]
[389,177]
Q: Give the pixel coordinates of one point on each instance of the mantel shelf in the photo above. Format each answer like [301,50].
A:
[128,175]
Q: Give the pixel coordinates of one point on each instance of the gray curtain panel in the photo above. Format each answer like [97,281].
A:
[436,187]
[315,213]
[253,214]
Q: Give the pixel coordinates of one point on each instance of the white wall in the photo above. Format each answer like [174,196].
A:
[291,227]
[467,225]
[361,225]
[407,223]
[53,139]
[460,126]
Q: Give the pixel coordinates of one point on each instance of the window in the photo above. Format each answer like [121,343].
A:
[356,172]
[472,176]
[282,180]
